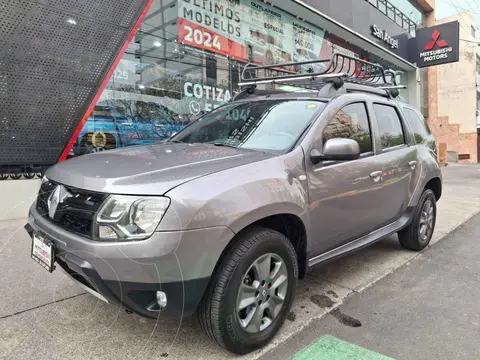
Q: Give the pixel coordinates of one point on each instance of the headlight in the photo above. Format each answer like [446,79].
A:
[123,218]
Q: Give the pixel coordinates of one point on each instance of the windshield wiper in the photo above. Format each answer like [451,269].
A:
[176,141]
[224,144]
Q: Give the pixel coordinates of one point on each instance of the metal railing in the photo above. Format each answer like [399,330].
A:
[394,14]
[339,69]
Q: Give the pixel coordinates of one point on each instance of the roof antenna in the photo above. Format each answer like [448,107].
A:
[337,82]
[251,89]
[245,93]
[394,93]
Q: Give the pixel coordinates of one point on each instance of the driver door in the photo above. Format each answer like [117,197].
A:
[341,202]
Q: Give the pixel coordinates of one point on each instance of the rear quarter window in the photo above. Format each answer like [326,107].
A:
[418,125]
[390,126]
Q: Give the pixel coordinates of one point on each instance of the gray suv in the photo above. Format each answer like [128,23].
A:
[223,218]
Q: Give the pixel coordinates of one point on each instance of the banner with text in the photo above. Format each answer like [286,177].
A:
[248,30]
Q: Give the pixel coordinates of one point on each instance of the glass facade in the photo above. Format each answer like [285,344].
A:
[186,60]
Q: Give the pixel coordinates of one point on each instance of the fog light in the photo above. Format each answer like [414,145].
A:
[161,299]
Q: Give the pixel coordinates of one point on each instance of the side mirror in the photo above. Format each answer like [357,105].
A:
[336,150]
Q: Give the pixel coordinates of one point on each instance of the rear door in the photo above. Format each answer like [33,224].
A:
[425,144]
[398,158]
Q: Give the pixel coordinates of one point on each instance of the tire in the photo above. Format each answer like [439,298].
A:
[269,58]
[250,53]
[412,237]
[218,314]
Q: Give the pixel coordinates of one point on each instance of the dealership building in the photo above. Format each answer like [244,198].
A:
[187,57]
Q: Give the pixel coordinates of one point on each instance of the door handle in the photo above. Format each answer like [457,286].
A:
[412,164]
[376,175]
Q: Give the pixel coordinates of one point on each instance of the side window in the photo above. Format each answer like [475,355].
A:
[390,125]
[418,125]
[351,122]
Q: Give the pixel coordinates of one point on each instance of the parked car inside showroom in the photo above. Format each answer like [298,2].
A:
[107,128]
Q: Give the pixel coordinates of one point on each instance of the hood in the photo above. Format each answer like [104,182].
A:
[151,169]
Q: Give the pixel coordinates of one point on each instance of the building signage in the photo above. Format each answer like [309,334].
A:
[437,45]
[205,98]
[383,35]
[248,30]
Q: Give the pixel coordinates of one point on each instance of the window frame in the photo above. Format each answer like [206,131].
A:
[406,133]
[422,121]
[372,134]
[298,141]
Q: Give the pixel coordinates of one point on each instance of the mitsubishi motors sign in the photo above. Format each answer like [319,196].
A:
[437,45]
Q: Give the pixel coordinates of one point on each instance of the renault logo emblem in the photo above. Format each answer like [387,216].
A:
[58,196]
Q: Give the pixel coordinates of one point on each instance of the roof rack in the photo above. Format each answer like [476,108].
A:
[337,70]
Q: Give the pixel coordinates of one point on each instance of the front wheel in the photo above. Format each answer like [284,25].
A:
[28,175]
[418,234]
[250,53]
[252,292]
[269,60]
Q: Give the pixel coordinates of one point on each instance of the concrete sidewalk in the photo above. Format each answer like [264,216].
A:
[46,316]
[428,309]
[355,273]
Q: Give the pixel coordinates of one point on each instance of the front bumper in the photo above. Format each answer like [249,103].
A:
[130,273]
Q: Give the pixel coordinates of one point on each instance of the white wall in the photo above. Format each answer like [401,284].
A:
[17,197]
[457,95]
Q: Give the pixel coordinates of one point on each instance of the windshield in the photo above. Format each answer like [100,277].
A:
[270,125]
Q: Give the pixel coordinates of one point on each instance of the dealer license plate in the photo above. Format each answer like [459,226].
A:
[43,252]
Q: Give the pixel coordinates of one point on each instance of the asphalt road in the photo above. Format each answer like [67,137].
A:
[46,316]
[428,309]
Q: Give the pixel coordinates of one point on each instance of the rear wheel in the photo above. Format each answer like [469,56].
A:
[269,58]
[250,53]
[251,293]
[418,234]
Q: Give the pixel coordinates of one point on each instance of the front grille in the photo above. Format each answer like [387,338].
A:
[76,212]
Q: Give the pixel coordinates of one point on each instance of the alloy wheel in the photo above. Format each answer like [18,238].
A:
[262,293]
[427,218]
[269,58]
[250,54]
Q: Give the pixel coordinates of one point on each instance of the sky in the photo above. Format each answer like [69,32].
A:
[445,8]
